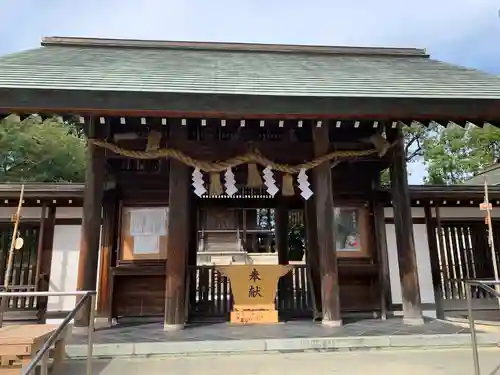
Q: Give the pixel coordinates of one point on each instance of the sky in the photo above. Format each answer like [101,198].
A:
[463,32]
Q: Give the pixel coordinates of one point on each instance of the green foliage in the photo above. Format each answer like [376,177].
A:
[36,151]
[454,154]
[296,242]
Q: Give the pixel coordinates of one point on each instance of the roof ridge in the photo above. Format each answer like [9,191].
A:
[231,46]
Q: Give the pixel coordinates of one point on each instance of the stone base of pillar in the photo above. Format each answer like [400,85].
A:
[331,323]
[173,327]
[418,321]
[102,322]
[79,330]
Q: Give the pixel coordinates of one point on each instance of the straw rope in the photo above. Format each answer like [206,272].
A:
[220,166]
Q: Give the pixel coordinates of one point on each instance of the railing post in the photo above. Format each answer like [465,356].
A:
[475,354]
[90,334]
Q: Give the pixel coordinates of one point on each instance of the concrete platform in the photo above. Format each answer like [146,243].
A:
[150,339]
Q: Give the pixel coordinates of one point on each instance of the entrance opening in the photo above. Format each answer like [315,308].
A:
[240,235]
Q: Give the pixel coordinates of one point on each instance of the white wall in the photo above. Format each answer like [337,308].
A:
[64,269]
[423,264]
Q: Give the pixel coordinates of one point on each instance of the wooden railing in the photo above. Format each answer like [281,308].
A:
[210,294]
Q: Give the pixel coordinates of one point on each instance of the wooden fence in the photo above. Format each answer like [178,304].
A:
[23,274]
[463,252]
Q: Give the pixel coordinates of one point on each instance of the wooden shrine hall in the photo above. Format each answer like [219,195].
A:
[207,156]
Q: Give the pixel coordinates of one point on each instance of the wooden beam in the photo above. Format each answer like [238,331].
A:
[177,246]
[91,222]
[408,272]
[113,103]
[323,198]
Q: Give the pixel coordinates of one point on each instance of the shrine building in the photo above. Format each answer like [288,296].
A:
[210,155]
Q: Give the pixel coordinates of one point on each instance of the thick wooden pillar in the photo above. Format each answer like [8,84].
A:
[177,246]
[312,257]
[382,257]
[91,221]
[109,220]
[407,260]
[323,198]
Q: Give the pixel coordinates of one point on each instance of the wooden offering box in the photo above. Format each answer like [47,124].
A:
[254,292]
[19,344]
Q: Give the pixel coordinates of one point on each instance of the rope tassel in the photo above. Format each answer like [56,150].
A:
[154,139]
[215,188]
[254,180]
[287,185]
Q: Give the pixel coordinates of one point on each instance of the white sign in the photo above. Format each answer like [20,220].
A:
[146,245]
[148,222]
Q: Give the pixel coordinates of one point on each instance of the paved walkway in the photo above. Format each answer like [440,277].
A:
[153,332]
[437,362]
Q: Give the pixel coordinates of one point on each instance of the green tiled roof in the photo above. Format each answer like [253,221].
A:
[492,174]
[242,69]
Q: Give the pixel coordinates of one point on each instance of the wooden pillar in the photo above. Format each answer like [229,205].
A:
[109,219]
[382,257]
[177,246]
[91,222]
[46,260]
[323,198]
[282,232]
[410,290]
[434,257]
[312,257]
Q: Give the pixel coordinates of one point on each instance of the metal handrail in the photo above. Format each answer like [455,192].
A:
[52,339]
[486,286]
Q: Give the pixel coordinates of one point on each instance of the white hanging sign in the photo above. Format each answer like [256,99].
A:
[148,222]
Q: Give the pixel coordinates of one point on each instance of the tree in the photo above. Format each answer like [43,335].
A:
[414,139]
[454,154]
[41,151]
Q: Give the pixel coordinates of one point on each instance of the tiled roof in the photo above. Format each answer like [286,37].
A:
[492,174]
[244,69]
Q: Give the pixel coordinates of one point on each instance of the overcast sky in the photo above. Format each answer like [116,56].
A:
[464,32]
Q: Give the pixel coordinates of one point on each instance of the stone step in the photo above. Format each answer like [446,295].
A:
[350,343]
